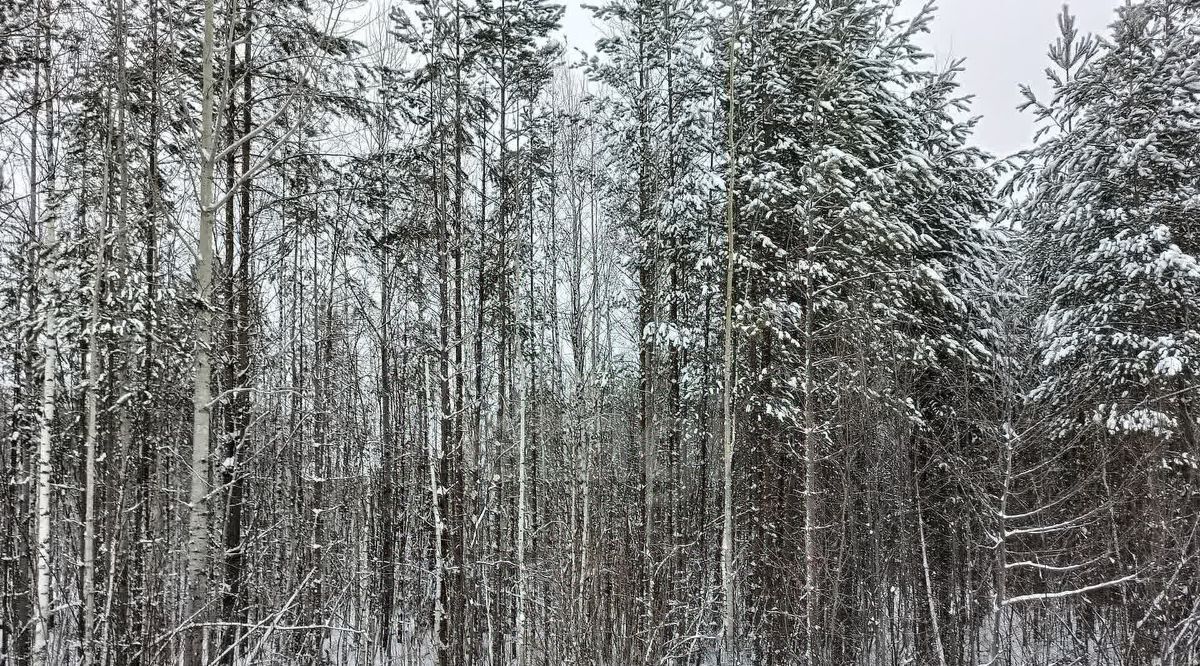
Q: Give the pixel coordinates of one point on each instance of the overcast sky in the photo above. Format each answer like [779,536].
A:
[1003,41]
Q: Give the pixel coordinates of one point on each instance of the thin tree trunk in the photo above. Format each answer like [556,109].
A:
[148,519]
[1001,555]
[127,344]
[88,587]
[811,618]
[522,586]
[647,339]
[435,492]
[387,503]
[42,557]
[233,606]
[41,634]
[198,500]
[933,616]
[728,641]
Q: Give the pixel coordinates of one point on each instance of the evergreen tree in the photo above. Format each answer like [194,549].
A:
[1109,194]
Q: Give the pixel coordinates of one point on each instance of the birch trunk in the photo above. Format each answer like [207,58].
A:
[521,528]
[729,651]
[42,560]
[93,380]
[44,469]
[810,481]
[435,492]
[45,442]
[198,504]
[933,617]
[1000,595]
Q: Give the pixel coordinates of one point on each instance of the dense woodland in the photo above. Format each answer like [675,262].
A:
[348,334]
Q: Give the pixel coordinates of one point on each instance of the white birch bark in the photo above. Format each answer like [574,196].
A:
[433,452]
[811,591]
[42,559]
[1000,593]
[521,527]
[88,586]
[197,546]
[45,444]
[727,572]
[933,618]
[44,469]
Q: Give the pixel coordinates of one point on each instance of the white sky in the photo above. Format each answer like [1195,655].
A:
[1003,41]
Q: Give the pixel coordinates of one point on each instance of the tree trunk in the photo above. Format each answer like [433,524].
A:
[232,605]
[43,508]
[522,586]
[198,499]
[88,586]
[728,641]
[811,617]
[41,635]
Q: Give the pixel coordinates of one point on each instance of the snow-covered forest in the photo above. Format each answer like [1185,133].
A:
[360,334]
